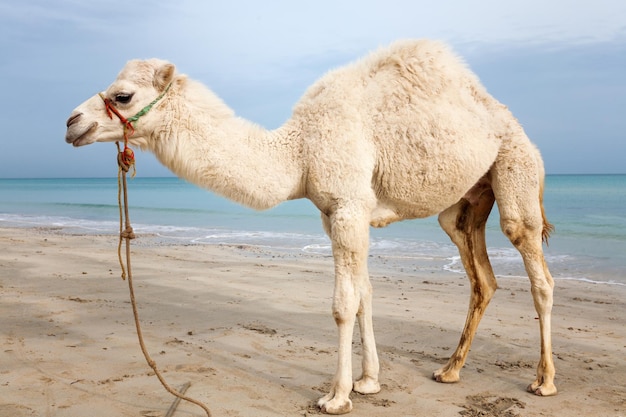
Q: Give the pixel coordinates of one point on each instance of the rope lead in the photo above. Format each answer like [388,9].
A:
[126,235]
[126,161]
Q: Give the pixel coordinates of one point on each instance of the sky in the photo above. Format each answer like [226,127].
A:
[559,65]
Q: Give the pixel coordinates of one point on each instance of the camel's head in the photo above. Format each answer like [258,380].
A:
[137,85]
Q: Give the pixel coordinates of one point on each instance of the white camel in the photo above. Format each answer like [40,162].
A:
[407,132]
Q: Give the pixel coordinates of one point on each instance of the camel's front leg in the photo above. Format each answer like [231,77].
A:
[352,297]
[345,306]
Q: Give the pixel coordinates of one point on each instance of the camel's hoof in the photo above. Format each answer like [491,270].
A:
[366,386]
[446,376]
[335,406]
[543,390]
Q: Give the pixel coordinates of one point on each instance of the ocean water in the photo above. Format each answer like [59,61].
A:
[588,211]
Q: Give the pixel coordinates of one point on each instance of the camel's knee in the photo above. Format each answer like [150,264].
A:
[340,319]
[352,302]
[511,229]
[345,307]
[343,316]
[521,232]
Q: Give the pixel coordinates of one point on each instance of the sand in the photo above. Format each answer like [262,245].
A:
[251,331]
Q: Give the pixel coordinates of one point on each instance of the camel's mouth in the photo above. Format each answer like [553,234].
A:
[80,138]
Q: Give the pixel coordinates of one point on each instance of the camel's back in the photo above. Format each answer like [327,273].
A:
[430,126]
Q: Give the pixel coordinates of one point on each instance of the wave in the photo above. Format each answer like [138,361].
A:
[591,281]
[60,222]
[81,205]
[406,253]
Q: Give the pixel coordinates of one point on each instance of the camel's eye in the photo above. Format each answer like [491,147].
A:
[123,98]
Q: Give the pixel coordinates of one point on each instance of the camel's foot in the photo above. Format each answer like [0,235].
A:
[329,404]
[446,375]
[366,385]
[543,389]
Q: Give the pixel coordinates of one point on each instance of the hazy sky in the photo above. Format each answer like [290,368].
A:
[560,65]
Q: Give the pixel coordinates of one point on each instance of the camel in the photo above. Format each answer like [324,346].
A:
[406,132]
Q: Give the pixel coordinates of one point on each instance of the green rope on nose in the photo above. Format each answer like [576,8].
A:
[149,106]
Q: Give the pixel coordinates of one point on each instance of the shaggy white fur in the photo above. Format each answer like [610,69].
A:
[406,132]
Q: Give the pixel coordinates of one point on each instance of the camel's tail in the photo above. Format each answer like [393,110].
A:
[547,226]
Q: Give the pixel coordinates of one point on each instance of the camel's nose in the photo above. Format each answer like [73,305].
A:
[73,119]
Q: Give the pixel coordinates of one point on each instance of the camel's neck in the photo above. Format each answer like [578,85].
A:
[230,156]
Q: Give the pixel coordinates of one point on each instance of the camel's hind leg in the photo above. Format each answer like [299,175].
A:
[465,224]
[517,181]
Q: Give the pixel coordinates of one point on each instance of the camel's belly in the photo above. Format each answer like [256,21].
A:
[387,212]
[425,177]
[417,195]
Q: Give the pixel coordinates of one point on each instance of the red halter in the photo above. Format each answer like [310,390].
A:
[125,158]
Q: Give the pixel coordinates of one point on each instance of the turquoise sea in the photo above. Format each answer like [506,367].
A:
[588,211]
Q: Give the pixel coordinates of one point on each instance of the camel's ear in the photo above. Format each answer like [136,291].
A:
[163,76]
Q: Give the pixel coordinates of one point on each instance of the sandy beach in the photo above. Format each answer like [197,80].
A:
[252,332]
